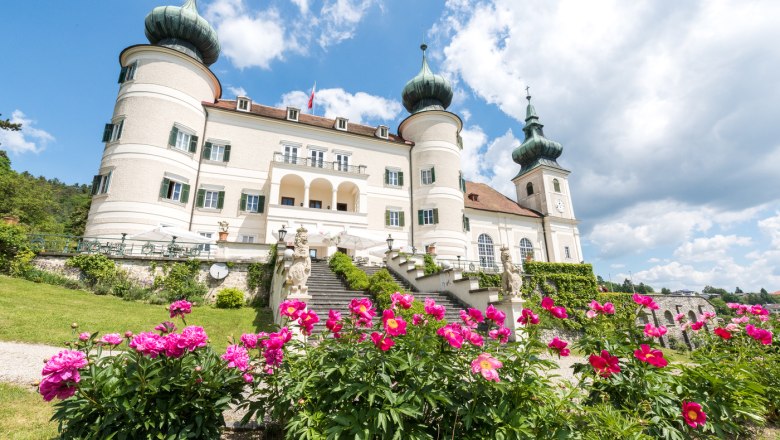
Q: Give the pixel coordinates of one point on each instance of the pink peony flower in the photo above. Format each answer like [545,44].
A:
[693,414]
[495,315]
[474,338]
[193,337]
[559,346]
[685,326]
[382,342]
[471,318]
[363,310]
[128,334]
[112,339]
[759,334]
[559,312]
[606,364]
[742,320]
[452,333]
[248,378]
[291,308]
[334,323]
[706,316]
[273,357]
[758,310]
[487,366]
[590,314]
[417,319]
[723,333]
[148,343]
[405,300]
[165,327]
[645,301]
[527,316]
[609,308]
[501,333]
[432,309]
[696,326]
[651,356]
[174,346]
[180,308]
[547,303]
[652,331]
[732,327]
[394,326]
[733,306]
[237,357]
[307,319]
[249,340]
[61,374]
[679,317]
[84,336]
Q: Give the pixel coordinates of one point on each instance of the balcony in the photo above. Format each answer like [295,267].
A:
[319,164]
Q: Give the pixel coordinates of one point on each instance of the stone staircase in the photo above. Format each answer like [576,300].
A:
[370,270]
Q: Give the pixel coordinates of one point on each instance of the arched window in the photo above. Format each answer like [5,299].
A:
[486,253]
[529,189]
[526,249]
[556,185]
[669,318]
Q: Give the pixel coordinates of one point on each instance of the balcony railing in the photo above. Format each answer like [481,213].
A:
[316,163]
[68,244]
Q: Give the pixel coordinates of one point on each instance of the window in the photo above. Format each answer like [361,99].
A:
[290,154]
[428,216]
[466,223]
[253,202]
[461,182]
[182,140]
[175,191]
[246,238]
[292,114]
[526,249]
[205,247]
[459,140]
[317,158]
[486,252]
[382,131]
[567,252]
[112,132]
[341,206]
[216,152]
[210,199]
[341,124]
[127,73]
[529,189]
[313,253]
[243,104]
[394,178]
[394,218]
[427,176]
[474,197]
[288,201]
[342,162]
[100,183]
[316,204]
[556,185]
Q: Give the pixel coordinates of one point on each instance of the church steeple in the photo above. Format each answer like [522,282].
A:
[536,149]
[427,90]
[183,29]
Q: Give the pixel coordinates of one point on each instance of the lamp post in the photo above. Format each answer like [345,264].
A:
[282,233]
[458,261]
[414,250]
[389,242]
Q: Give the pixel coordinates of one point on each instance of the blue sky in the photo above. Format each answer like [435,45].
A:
[667,112]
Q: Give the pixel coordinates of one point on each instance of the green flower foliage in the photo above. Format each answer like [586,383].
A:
[381,285]
[230,298]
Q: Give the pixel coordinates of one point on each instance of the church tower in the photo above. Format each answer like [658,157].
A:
[436,183]
[152,143]
[542,185]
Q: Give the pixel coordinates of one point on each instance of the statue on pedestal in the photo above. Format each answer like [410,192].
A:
[511,278]
[300,269]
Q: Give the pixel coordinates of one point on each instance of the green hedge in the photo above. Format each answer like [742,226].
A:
[485,279]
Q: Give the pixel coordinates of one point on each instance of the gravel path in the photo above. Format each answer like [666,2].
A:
[22,363]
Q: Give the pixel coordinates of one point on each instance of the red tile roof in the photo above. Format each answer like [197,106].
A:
[488,199]
[306,119]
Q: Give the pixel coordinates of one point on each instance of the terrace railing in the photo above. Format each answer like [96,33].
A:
[73,245]
[316,163]
[484,265]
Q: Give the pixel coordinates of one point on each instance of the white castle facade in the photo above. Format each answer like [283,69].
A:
[177,154]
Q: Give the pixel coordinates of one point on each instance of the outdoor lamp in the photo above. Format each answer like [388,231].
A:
[389,242]
[282,233]
[124,234]
[414,250]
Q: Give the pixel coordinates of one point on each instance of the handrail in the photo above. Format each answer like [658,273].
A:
[112,246]
[476,265]
[316,163]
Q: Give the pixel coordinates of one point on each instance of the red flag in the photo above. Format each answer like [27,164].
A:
[311,97]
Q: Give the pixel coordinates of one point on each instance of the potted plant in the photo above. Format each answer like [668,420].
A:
[223,230]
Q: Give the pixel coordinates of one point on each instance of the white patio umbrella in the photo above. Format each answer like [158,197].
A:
[360,239]
[166,233]
[323,237]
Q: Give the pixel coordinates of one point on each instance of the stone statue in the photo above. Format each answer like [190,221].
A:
[300,269]
[511,279]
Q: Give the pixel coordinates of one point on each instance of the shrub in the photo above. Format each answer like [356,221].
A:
[230,298]
[430,267]
[342,265]
[259,277]
[180,281]
[21,264]
[485,279]
[13,239]
[94,267]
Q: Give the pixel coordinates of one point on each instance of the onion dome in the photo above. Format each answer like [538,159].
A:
[426,91]
[183,29]
[535,149]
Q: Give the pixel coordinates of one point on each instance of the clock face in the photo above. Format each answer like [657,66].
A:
[559,205]
[218,271]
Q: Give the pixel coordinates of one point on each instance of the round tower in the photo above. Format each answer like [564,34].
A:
[436,183]
[153,140]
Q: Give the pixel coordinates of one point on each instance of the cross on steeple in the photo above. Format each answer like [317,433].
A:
[528,93]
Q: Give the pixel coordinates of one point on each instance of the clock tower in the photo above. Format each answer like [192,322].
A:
[543,185]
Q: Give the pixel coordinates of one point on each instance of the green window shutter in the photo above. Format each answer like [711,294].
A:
[387,217]
[419,216]
[435,216]
[400,178]
[172,137]
[207,150]
[185,193]
[200,198]
[95,184]
[387,176]
[261,204]
[108,180]
[220,199]
[242,207]
[468,224]
[193,143]
[166,183]
[226,156]
[119,131]
[122,74]
[433,174]
[107,132]
[401,218]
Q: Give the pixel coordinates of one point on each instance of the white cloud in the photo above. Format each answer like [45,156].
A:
[771,227]
[474,140]
[236,91]
[303,6]
[28,140]
[359,107]
[713,248]
[339,19]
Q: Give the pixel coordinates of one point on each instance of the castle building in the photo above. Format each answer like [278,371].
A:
[177,154]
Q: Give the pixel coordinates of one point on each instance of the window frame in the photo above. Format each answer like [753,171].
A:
[394,177]
[556,185]
[317,162]
[168,191]
[529,189]
[526,249]
[290,156]
[293,114]
[341,124]
[205,247]
[428,216]
[342,161]
[486,251]
[174,139]
[431,173]
[567,252]
[101,183]
[284,199]
[247,238]
[243,104]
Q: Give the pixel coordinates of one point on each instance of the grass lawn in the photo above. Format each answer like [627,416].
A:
[41,313]
[24,415]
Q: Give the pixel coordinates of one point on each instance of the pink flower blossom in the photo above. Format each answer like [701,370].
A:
[382,342]
[394,326]
[696,326]
[759,334]
[249,340]
[609,308]
[706,316]
[180,308]
[495,315]
[273,356]
[363,310]
[645,301]
[472,317]
[590,314]
[685,326]
[652,331]
[84,336]
[606,364]
[723,333]
[173,345]
[559,345]
[651,356]
[693,414]
[758,310]
[557,311]
[488,366]
[248,378]
[193,337]
[307,319]
[61,374]
[432,309]
[473,337]
[148,343]
[733,305]
[291,308]
[452,333]
[417,319]
[501,333]
[527,316]
[334,323]
[237,357]
[405,300]
[679,317]
[763,318]
[128,334]
[741,320]
[165,327]
[547,303]
[112,339]
[732,327]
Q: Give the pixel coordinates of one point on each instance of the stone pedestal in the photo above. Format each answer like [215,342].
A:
[513,307]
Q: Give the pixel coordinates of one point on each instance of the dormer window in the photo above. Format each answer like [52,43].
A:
[292,114]
[341,124]
[382,131]
[243,104]
[474,197]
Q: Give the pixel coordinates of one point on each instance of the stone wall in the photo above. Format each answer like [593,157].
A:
[669,307]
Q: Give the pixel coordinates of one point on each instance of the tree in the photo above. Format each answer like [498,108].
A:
[5,124]
[738,290]
[763,291]
[730,297]
[715,290]
[665,291]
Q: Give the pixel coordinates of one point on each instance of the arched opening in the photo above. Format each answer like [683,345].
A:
[668,317]
[291,190]
[320,194]
[691,316]
[526,250]
[556,185]
[347,197]
[529,189]
[486,251]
